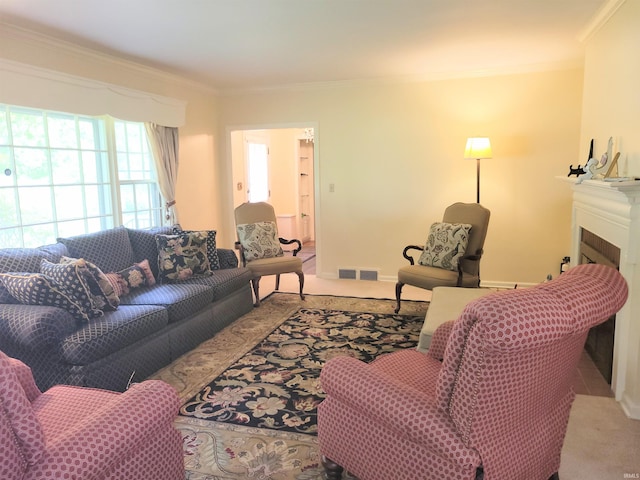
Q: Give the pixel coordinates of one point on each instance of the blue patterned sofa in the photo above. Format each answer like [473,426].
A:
[152,326]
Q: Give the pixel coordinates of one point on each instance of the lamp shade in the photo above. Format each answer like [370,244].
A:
[477,148]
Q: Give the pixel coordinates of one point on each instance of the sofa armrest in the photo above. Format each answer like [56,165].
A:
[439,340]
[373,394]
[33,326]
[123,424]
[228,258]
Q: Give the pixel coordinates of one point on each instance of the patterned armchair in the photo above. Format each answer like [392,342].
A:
[490,399]
[85,433]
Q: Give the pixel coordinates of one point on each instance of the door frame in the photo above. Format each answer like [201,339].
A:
[317,194]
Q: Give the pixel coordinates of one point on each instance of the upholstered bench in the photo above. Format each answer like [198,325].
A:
[446,304]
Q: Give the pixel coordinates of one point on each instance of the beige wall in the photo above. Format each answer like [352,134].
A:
[393,152]
[199,175]
[394,155]
[611,105]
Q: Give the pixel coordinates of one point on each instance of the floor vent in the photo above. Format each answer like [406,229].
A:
[347,273]
[368,275]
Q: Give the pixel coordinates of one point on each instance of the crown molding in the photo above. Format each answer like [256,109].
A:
[601,17]
[573,64]
[36,87]
[46,42]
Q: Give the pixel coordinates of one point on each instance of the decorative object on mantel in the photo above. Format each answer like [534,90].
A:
[580,170]
[598,169]
[589,170]
[614,164]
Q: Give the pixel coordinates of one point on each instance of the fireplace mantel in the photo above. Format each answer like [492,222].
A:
[611,210]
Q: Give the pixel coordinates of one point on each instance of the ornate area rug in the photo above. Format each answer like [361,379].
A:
[256,419]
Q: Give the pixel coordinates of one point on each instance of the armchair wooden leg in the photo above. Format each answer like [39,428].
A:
[256,290]
[555,476]
[332,469]
[398,293]
[301,278]
[278,281]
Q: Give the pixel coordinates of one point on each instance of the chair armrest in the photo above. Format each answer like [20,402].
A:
[439,340]
[289,242]
[121,425]
[409,257]
[361,387]
[25,377]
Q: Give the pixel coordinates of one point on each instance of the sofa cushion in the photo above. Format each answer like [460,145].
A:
[5,296]
[28,259]
[182,256]
[144,245]
[39,289]
[109,249]
[180,299]
[224,282]
[112,332]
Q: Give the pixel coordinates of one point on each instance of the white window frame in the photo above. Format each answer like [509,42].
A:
[104,144]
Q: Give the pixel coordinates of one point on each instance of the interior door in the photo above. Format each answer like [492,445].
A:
[257,153]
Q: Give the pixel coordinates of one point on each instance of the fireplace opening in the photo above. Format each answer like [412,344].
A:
[599,345]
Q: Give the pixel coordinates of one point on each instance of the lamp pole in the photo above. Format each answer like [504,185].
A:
[478,181]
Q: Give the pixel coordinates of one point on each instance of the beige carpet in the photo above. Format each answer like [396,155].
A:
[601,442]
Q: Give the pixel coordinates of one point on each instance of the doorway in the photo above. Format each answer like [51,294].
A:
[288,173]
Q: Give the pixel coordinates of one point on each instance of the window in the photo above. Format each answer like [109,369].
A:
[63,174]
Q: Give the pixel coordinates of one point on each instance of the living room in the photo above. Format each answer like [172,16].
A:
[392,149]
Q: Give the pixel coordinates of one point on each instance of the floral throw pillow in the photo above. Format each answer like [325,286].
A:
[137,275]
[212,249]
[445,245]
[259,240]
[182,256]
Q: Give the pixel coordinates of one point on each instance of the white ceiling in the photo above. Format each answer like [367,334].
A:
[235,44]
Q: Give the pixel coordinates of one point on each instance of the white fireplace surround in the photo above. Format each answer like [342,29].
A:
[611,210]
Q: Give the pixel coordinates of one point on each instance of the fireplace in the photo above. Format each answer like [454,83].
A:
[606,229]
[601,339]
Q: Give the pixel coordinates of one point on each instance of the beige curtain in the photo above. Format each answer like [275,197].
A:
[164,146]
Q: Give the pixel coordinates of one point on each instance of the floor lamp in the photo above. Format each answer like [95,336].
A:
[478,148]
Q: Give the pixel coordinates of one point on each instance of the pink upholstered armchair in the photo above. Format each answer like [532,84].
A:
[84,433]
[490,399]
